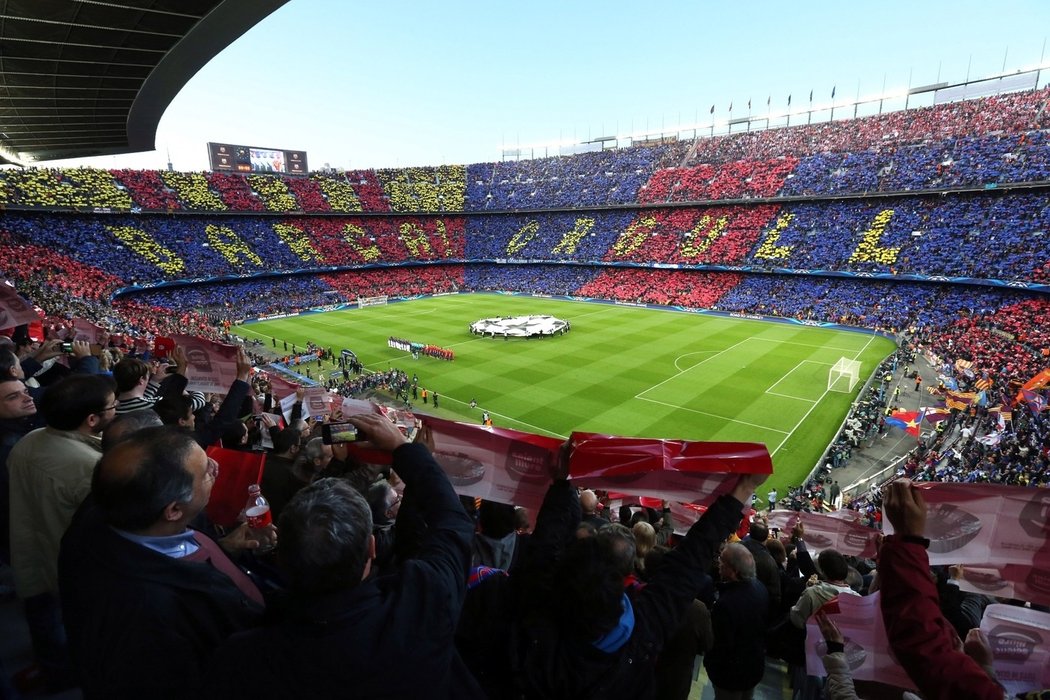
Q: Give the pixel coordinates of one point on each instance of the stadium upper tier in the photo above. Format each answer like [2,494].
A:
[976,143]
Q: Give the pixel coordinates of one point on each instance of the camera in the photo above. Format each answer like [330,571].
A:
[338,433]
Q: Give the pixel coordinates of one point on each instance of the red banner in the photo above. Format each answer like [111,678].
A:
[674,470]
[237,470]
[14,310]
[211,366]
[89,332]
[838,532]
[987,525]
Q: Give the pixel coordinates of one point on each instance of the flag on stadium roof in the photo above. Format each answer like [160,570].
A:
[908,421]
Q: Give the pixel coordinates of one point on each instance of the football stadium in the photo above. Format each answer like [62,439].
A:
[750,407]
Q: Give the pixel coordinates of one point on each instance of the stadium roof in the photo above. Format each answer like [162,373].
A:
[85,78]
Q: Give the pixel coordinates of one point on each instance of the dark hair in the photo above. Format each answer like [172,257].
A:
[122,427]
[286,440]
[758,531]
[621,546]
[590,588]
[128,372]
[655,559]
[586,529]
[833,565]
[379,501]
[173,408]
[8,361]
[67,403]
[133,500]
[776,550]
[324,537]
[496,520]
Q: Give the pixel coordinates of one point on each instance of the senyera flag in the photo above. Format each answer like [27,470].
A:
[211,366]
[14,310]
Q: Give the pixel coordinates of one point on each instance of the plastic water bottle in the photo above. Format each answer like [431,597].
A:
[257,512]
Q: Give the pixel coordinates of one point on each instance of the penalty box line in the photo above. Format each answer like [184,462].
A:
[712,415]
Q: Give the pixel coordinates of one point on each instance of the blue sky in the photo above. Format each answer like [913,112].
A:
[399,83]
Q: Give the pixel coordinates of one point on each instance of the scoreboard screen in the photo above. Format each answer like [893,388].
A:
[226,157]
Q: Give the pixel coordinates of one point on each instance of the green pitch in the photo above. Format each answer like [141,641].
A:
[620,370]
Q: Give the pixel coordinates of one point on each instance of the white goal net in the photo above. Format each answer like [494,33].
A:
[844,375]
[372,301]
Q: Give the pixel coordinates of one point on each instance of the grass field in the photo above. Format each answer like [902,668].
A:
[620,370]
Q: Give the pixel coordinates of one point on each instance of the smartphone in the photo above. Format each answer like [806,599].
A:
[337,433]
[67,347]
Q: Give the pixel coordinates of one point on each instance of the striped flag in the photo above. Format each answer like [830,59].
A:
[983,384]
[959,400]
[1002,411]
[1035,401]
[935,414]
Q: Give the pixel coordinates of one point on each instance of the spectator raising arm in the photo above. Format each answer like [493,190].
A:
[920,637]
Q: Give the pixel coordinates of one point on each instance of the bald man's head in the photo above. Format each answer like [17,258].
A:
[138,479]
[588,502]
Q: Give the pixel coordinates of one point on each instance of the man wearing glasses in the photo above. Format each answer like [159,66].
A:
[50,472]
[146,598]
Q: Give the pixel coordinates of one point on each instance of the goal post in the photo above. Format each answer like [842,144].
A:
[844,375]
[372,301]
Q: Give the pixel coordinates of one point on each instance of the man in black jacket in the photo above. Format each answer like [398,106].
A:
[343,632]
[737,659]
[766,569]
[581,636]
[145,599]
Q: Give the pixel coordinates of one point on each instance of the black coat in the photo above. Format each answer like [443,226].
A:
[388,637]
[555,664]
[737,658]
[142,624]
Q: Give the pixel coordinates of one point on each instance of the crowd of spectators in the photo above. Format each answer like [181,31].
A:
[275,192]
[556,280]
[193,191]
[581,180]
[557,236]
[1020,457]
[1012,114]
[234,191]
[397,281]
[974,143]
[1003,341]
[147,190]
[245,298]
[308,194]
[360,186]
[430,189]
[662,287]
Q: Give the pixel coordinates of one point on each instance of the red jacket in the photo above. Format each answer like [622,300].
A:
[920,637]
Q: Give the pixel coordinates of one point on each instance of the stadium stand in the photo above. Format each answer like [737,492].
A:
[930,223]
